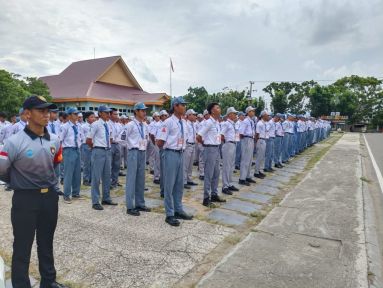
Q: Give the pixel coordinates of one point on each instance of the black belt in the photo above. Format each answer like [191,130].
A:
[279,136]
[174,150]
[210,145]
[133,149]
[262,138]
[231,142]
[38,190]
[70,148]
[103,148]
[189,143]
[245,136]
[272,137]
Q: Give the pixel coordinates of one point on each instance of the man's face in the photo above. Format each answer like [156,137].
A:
[73,117]
[91,118]
[156,118]
[242,117]
[251,114]
[232,116]
[206,116]
[163,117]
[104,115]
[114,116]
[53,116]
[39,117]
[80,119]
[141,114]
[216,110]
[192,117]
[180,108]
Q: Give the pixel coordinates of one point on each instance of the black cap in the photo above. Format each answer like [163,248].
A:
[37,102]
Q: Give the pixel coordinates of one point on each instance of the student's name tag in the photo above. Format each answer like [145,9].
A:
[143,144]
[180,142]
[218,137]
[237,137]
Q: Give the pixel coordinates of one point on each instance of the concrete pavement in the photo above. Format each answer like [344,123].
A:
[315,238]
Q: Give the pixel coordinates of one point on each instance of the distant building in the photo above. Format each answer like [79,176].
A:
[90,83]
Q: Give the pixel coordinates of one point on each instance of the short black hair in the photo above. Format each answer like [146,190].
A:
[2,114]
[211,106]
[87,114]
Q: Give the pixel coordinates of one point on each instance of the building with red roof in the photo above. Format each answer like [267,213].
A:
[107,81]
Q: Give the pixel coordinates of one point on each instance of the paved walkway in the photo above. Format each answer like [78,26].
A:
[315,238]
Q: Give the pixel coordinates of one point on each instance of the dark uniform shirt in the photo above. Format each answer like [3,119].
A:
[27,160]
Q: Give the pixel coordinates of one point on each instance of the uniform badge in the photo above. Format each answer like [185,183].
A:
[163,129]
[29,153]
[53,150]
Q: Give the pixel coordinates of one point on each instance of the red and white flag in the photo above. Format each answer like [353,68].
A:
[171,65]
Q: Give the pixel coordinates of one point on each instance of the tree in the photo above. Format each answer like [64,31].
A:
[14,90]
[197,98]
[365,94]
[320,100]
[279,93]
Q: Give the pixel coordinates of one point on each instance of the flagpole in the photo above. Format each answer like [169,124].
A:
[170,76]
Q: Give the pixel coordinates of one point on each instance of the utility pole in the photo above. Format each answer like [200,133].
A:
[251,88]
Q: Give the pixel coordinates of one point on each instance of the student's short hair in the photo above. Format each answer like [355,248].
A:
[2,114]
[87,114]
[211,106]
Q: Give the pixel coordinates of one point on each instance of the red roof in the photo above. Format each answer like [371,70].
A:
[78,82]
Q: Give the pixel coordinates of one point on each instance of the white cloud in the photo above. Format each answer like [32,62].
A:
[212,43]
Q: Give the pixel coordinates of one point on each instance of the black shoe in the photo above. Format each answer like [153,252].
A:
[171,220]
[62,181]
[186,186]
[143,209]
[243,182]
[259,175]
[192,183]
[202,178]
[285,162]
[227,191]
[162,195]
[216,198]
[237,168]
[263,175]
[266,170]
[233,188]
[121,174]
[57,285]
[183,215]
[86,183]
[133,212]
[206,202]
[156,181]
[109,202]
[60,193]
[271,170]
[97,207]
[195,163]
[250,180]
[151,172]
[280,165]
[119,185]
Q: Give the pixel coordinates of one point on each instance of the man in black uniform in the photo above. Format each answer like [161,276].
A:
[27,163]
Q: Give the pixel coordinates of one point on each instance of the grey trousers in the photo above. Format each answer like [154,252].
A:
[211,160]
[188,163]
[201,163]
[101,170]
[72,172]
[260,159]
[173,181]
[115,165]
[135,179]
[124,154]
[86,155]
[247,150]
[150,154]
[156,163]
[228,158]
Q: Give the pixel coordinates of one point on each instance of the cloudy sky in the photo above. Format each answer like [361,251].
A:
[216,44]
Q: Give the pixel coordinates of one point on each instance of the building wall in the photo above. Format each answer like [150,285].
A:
[92,106]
